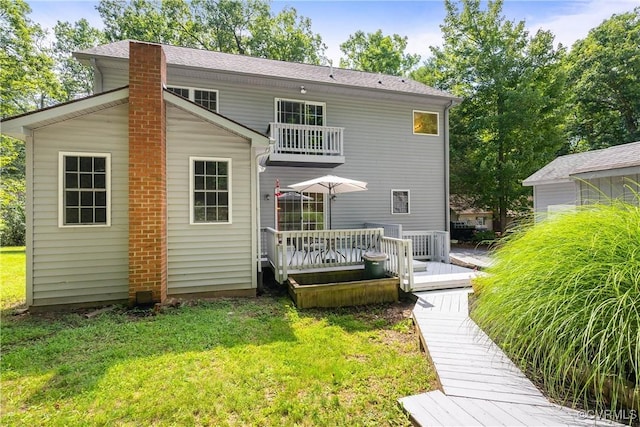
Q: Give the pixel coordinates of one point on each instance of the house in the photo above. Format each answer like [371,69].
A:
[160,183]
[588,177]
[465,213]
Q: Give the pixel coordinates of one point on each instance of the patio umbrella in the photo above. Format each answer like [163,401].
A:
[295,196]
[330,184]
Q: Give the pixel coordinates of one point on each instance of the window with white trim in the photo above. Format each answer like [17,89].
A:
[84,189]
[426,123]
[400,200]
[204,97]
[210,190]
[296,112]
[299,211]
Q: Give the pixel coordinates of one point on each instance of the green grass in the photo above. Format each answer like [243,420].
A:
[12,277]
[229,362]
[563,298]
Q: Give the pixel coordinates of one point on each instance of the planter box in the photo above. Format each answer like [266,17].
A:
[341,289]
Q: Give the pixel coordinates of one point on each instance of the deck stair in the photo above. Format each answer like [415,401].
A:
[481,386]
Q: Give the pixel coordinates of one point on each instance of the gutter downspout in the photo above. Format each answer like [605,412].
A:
[97,77]
[447,213]
[260,168]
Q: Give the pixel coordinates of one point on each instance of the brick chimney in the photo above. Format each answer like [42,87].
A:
[147,174]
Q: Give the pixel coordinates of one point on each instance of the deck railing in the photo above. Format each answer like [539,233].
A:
[400,262]
[319,249]
[429,245]
[288,251]
[390,230]
[307,140]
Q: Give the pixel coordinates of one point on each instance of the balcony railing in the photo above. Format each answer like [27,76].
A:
[316,143]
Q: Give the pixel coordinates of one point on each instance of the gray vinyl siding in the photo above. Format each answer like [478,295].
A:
[614,187]
[206,257]
[564,193]
[80,264]
[379,148]
[379,145]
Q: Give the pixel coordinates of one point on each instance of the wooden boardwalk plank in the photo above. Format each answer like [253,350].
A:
[428,411]
[481,385]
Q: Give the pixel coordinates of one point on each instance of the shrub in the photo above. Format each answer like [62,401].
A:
[12,213]
[483,236]
[563,300]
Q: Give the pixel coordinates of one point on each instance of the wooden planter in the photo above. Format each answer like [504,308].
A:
[341,289]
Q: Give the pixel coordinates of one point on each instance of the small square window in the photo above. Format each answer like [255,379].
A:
[400,202]
[425,123]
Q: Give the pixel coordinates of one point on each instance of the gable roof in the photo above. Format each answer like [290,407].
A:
[248,65]
[563,168]
[18,126]
[616,157]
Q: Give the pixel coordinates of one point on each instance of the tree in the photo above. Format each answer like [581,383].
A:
[27,82]
[287,37]
[509,123]
[604,73]
[245,27]
[76,78]
[377,53]
[167,22]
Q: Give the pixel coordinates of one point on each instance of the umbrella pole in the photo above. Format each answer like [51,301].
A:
[330,203]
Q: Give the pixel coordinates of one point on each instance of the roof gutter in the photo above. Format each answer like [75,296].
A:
[97,77]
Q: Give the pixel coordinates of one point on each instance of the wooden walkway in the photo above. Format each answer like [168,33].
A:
[480,384]
[439,275]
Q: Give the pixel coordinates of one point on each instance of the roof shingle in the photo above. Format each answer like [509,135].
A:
[562,168]
[248,65]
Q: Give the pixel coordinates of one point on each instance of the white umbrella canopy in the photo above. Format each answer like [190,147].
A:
[295,196]
[329,184]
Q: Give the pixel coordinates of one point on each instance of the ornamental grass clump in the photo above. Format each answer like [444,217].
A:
[563,300]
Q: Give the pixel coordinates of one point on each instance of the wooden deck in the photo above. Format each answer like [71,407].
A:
[480,384]
[439,275]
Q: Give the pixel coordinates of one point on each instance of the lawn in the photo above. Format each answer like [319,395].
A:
[227,362]
[12,265]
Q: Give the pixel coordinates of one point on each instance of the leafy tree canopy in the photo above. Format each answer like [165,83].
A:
[76,79]
[246,27]
[27,80]
[510,122]
[377,53]
[604,74]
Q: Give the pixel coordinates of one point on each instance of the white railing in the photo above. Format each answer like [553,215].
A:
[390,230]
[320,249]
[429,245]
[274,253]
[400,262]
[263,243]
[307,139]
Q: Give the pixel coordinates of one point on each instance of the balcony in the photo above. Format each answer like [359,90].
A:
[306,145]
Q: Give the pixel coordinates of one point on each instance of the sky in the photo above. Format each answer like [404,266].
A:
[418,20]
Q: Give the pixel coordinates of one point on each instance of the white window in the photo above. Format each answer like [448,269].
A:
[425,123]
[400,202]
[84,189]
[204,97]
[296,112]
[210,190]
[480,220]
